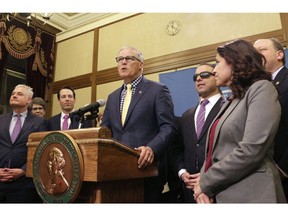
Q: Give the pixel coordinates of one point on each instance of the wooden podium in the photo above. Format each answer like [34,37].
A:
[108,171]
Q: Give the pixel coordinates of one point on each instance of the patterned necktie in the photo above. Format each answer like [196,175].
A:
[17,128]
[201,117]
[126,103]
[65,122]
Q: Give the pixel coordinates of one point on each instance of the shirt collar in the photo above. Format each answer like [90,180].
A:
[276,72]
[213,100]
[135,82]
[63,114]
[24,114]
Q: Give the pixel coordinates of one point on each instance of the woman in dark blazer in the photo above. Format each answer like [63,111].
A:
[239,166]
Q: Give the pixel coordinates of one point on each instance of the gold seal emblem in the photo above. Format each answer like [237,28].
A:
[58,168]
[20,36]
[19,39]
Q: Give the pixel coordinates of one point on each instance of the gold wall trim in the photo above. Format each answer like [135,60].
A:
[78,82]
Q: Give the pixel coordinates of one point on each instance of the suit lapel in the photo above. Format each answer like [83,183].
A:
[140,91]
[225,111]
[210,116]
[115,109]
[280,77]
[7,121]
[75,122]
[192,122]
[27,124]
[58,122]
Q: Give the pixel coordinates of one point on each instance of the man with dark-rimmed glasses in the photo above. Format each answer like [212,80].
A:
[189,151]
[148,125]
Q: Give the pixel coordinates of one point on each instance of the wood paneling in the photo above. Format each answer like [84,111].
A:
[74,82]
[159,64]
[181,59]
[284,21]
[95,65]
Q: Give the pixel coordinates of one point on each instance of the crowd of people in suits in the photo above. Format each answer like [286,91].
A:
[223,150]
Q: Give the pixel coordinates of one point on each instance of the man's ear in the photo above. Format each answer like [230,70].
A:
[280,55]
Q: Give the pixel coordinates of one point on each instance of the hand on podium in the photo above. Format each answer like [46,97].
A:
[146,156]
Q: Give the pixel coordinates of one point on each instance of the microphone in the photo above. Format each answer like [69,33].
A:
[88,108]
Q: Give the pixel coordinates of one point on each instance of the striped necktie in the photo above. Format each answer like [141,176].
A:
[201,117]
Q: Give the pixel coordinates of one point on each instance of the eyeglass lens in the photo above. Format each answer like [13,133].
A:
[203,75]
[37,108]
[127,59]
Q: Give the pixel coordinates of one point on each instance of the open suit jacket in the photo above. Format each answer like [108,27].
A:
[149,120]
[281,140]
[243,169]
[189,151]
[54,123]
[14,155]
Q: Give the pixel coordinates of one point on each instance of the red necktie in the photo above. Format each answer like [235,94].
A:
[210,147]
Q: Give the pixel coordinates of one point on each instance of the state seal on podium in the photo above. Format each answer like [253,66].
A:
[58,168]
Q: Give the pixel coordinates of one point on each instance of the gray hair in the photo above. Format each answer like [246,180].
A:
[28,88]
[278,46]
[138,53]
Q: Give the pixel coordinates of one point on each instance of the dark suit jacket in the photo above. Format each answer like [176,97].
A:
[189,151]
[14,155]
[281,140]
[149,121]
[54,123]
[175,193]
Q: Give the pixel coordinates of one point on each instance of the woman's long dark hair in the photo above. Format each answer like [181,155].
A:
[247,65]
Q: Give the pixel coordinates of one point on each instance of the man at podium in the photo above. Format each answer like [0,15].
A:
[141,116]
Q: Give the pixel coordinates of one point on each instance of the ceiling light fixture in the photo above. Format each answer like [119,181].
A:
[41,18]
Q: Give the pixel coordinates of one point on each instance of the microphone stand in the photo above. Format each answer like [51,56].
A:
[92,116]
[82,118]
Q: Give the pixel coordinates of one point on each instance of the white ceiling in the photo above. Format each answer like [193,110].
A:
[71,24]
[68,21]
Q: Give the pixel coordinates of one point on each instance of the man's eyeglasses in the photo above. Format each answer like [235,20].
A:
[128,59]
[37,108]
[203,75]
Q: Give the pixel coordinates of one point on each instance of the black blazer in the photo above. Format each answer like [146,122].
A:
[54,123]
[281,140]
[189,151]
